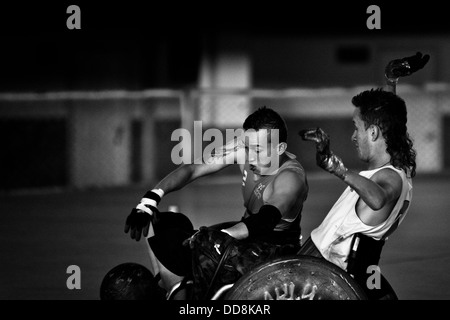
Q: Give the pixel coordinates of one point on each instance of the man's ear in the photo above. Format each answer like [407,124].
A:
[281,148]
[375,132]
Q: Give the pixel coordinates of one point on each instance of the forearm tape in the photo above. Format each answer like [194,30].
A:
[264,221]
[152,195]
[333,164]
[391,80]
[150,200]
[337,166]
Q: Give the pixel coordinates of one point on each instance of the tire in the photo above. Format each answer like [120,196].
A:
[296,278]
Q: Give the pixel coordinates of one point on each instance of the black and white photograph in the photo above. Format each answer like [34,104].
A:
[220,151]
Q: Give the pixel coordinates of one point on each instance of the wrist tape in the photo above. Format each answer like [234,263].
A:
[392,81]
[152,199]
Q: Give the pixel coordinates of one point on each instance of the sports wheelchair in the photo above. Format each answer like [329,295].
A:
[290,277]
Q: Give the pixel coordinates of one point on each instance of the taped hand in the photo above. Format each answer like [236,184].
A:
[325,158]
[138,221]
[406,66]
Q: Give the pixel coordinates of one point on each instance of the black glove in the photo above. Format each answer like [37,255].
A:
[406,66]
[140,217]
[139,223]
[325,158]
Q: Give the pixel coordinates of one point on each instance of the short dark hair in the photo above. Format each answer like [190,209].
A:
[266,118]
[388,111]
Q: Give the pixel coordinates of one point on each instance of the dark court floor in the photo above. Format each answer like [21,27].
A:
[41,235]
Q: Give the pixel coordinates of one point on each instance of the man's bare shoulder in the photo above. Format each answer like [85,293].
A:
[388,178]
[291,177]
[387,174]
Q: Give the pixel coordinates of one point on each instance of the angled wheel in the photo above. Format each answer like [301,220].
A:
[296,278]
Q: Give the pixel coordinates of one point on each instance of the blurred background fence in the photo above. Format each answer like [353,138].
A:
[90,139]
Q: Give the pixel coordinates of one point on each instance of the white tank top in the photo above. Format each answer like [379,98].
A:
[334,235]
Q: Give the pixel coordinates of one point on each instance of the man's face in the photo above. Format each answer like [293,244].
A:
[360,136]
[261,150]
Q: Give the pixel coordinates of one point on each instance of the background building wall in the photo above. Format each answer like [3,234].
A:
[110,140]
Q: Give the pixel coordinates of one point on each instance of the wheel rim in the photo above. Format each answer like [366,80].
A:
[296,278]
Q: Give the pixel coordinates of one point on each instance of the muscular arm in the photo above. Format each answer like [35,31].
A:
[138,221]
[287,188]
[384,187]
[187,173]
[378,193]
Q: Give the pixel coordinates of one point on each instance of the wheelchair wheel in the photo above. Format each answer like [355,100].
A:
[296,278]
